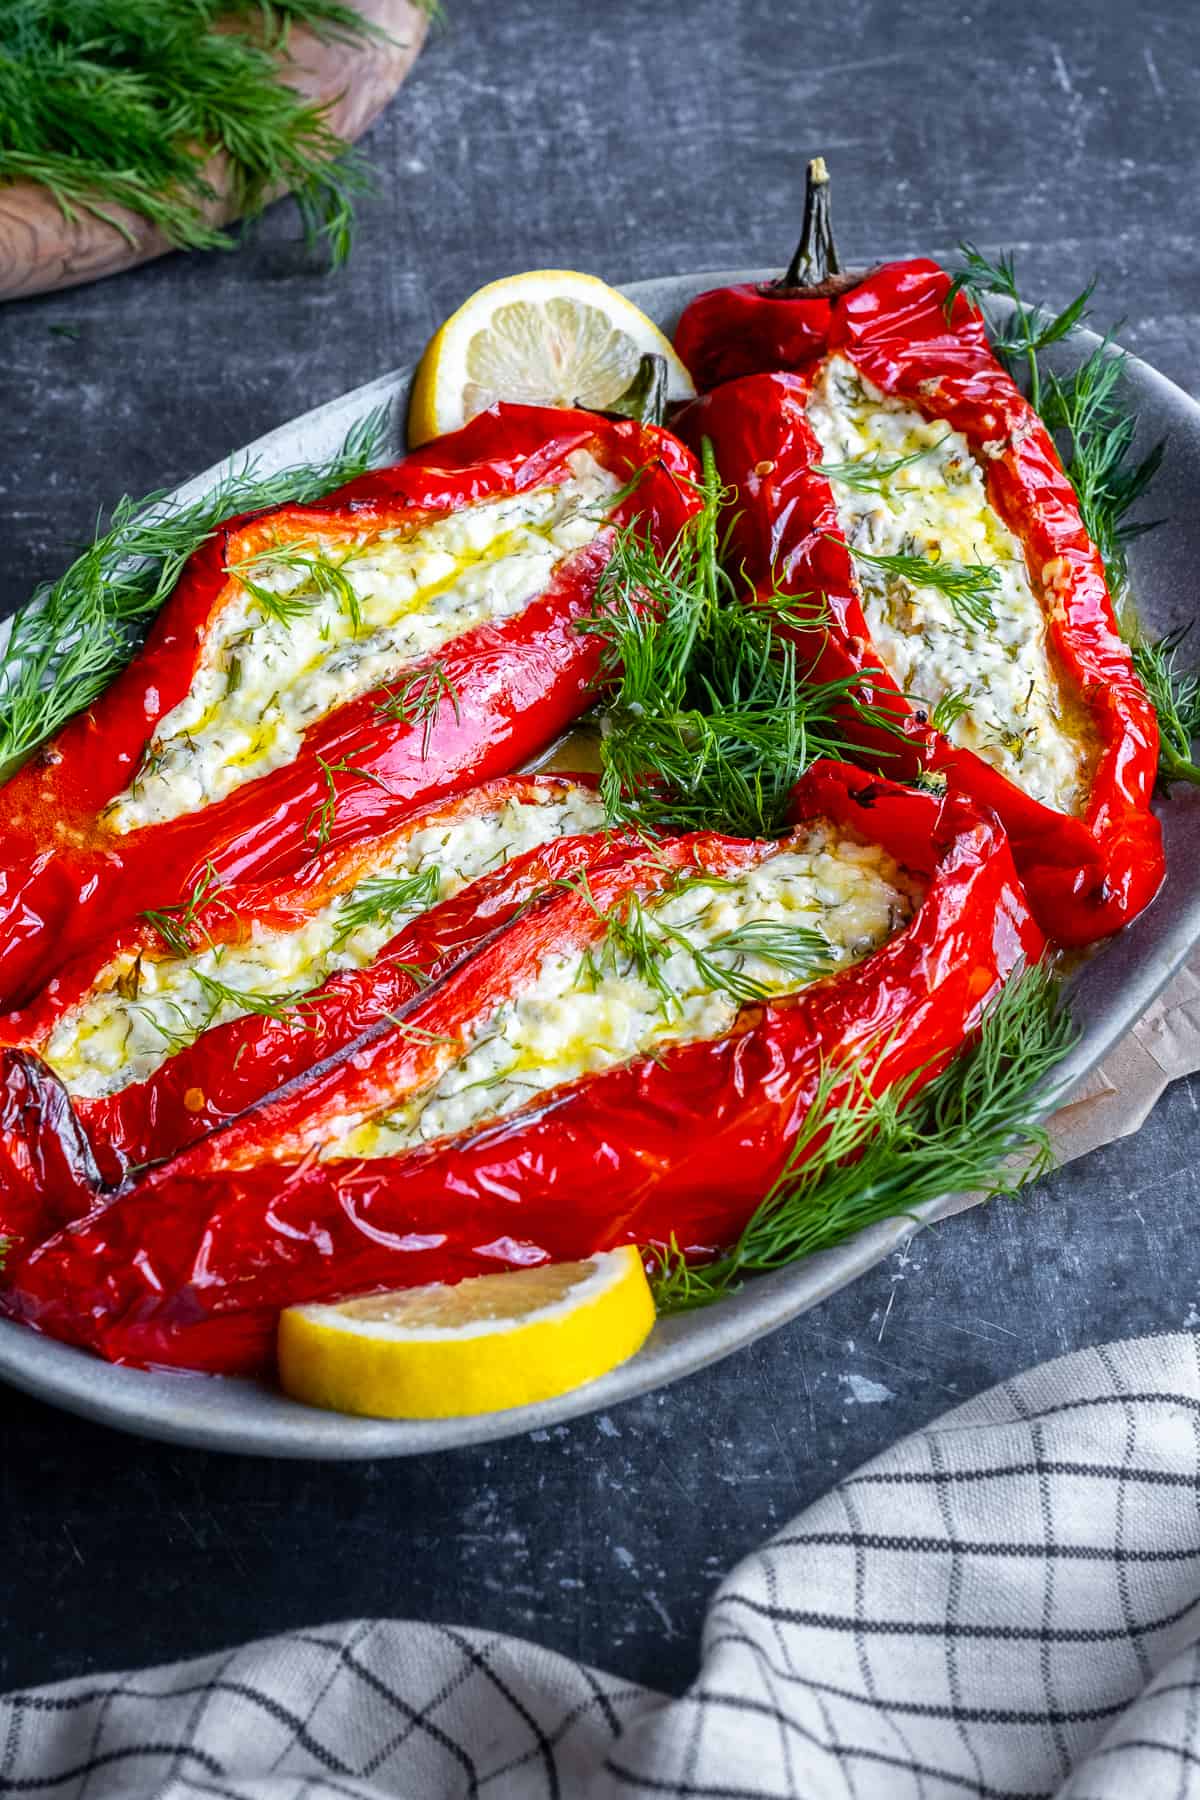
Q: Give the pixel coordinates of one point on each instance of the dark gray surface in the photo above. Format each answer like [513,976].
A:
[629,142]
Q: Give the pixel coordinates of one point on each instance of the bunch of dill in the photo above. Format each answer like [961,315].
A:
[124,103]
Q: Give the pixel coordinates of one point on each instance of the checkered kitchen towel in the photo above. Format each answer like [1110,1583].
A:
[1005,1605]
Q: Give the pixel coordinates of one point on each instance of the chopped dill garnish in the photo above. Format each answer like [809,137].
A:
[869,475]
[67,642]
[969,587]
[321,577]
[174,924]
[638,941]
[420,699]
[954,705]
[381,897]
[860,1156]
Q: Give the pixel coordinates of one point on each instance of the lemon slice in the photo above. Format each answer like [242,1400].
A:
[550,337]
[490,1342]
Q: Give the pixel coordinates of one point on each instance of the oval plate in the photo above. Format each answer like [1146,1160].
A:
[1108,994]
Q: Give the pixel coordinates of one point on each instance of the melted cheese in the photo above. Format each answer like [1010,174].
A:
[394,599]
[585,1013]
[1017,717]
[138,1018]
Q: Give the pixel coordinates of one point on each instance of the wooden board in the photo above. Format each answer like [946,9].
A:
[40,250]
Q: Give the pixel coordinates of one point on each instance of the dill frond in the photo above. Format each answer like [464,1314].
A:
[870,475]
[69,640]
[318,826]
[175,924]
[1175,696]
[1095,434]
[1030,329]
[320,578]
[639,941]
[381,897]
[865,1156]
[707,718]
[950,707]
[122,104]
[419,700]
[968,587]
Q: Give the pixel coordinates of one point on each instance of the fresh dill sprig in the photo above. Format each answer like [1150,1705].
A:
[1096,435]
[707,719]
[318,826]
[381,897]
[969,587]
[174,923]
[639,941]
[1029,331]
[862,1156]
[1094,430]
[241,1001]
[69,640]
[420,699]
[869,475]
[114,104]
[1175,696]
[179,1037]
[953,705]
[320,578]
[798,950]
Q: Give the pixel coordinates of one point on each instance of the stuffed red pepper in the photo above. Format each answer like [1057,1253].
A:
[322,669]
[627,1063]
[183,1019]
[887,474]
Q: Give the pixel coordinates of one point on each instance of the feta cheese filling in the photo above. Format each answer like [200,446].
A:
[587,1012]
[995,684]
[146,1010]
[324,620]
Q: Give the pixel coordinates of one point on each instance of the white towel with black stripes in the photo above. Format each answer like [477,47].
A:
[1006,1604]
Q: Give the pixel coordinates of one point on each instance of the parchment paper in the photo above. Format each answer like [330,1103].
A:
[1115,1100]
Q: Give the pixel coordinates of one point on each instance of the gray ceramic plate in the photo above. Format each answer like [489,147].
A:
[1109,994]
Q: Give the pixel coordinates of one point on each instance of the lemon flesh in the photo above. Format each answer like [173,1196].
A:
[482,1345]
[549,337]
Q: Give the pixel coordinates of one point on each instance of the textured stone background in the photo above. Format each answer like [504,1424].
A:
[629,140]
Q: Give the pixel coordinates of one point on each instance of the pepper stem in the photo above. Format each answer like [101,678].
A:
[816,257]
[645,399]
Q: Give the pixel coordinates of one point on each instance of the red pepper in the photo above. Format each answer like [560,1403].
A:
[55,1172]
[192,1266]
[766,325]
[507,688]
[1087,875]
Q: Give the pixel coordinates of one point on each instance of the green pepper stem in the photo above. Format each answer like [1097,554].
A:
[645,399]
[816,257]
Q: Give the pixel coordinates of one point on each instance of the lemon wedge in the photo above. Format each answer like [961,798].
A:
[485,1344]
[550,337]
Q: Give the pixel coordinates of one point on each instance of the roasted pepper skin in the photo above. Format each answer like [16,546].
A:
[66,879]
[742,330]
[53,1176]
[48,1174]
[192,1266]
[1086,876]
